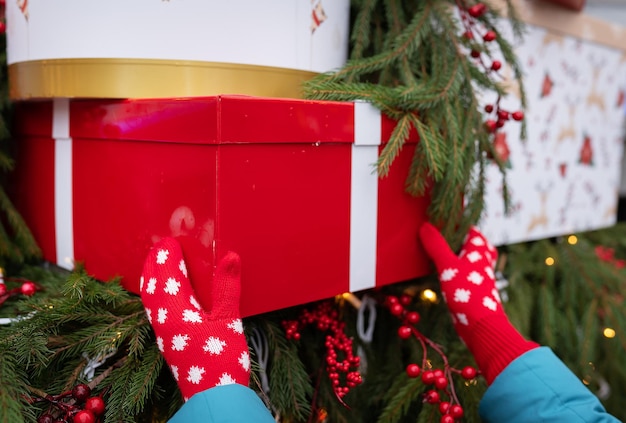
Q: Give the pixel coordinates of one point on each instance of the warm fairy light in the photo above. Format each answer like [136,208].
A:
[585,382]
[609,333]
[428,295]
[549,261]
[572,239]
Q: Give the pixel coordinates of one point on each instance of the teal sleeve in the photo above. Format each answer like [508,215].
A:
[538,387]
[224,404]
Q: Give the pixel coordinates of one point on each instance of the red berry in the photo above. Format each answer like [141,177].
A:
[81,392]
[444,406]
[469,35]
[396,309]
[413,317]
[489,108]
[477,10]
[28,288]
[500,123]
[413,370]
[3,289]
[438,373]
[503,114]
[3,27]
[519,115]
[468,372]
[489,36]
[428,377]
[84,416]
[95,405]
[432,397]
[496,65]
[404,332]
[456,411]
[491,125]
[406,299]
[446,419]
[391,300]
[441,382]
[475,54]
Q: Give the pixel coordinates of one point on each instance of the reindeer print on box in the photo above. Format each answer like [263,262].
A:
[565,177]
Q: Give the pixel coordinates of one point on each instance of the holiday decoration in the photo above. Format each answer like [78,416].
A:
[242,47]
[346,363]
[26,287]
[269,179]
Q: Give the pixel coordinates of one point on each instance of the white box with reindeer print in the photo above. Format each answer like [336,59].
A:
[565,177]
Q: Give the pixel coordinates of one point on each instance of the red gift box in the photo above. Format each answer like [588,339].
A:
[290,185]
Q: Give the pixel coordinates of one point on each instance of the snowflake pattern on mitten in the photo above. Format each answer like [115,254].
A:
[203,349]
[467,280]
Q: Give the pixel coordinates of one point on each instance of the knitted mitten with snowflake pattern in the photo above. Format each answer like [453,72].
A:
[203,349]
[468,286]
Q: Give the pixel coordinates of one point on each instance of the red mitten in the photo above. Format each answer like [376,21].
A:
[468,286]
[203,349]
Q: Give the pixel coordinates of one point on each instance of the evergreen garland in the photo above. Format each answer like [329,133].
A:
[567,306]
[411,60]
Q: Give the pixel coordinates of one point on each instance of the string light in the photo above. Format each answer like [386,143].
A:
[549,261]
[609,333]
[352,299]
[572,239]
[429,295]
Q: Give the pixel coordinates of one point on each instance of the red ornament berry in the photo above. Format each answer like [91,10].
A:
[489,108]
[84,416]
[413,317]
[404,332]
[413,370]
[96,405]
[491,125]
[456,411]
[441,382]
[406,299]
[438,373]
[3,27]
[3,289]
[500,123]
[503,114]
[469,35]
[475,54]
[489,36]
[444,406]
[519,115]
[396,309]
[28,288]
[477,10]
[446,419]
[428,377]
[468,372]
[81,392]
[432,397]
[496,65]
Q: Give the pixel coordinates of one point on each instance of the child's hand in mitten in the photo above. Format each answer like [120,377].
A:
[203,349]
[468,285]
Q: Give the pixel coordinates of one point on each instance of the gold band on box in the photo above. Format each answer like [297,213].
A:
[146,78]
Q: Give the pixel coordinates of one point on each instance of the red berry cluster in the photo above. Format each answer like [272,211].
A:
[474,29]
[26,287]
[75,406]
[440,379]
[339,356]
